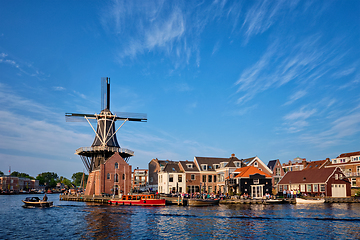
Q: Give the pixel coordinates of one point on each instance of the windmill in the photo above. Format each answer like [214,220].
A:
[105,143]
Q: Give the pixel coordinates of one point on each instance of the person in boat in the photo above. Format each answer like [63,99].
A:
[45,198]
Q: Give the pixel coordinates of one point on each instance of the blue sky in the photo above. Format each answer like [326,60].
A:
[273,79]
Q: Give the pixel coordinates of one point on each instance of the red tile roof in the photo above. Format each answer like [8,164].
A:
[308,176]
[245,172]
[348,154]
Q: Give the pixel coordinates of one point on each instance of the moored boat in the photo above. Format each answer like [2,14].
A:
[139,200]
[202,202]
[36,202]
[306,201]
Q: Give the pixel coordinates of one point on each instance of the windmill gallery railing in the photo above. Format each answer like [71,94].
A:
[103,148]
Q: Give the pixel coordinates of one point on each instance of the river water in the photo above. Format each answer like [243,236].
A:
[79,220]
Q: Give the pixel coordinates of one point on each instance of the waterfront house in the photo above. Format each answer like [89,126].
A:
[171,179]
[155,166]
[350,164]
[250,181]
[329,182]
[277,171]
[256,162]
[192,176]
[214,171]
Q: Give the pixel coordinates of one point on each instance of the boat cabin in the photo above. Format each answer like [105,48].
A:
[140,197]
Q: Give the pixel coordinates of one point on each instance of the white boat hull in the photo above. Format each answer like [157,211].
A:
[307,201]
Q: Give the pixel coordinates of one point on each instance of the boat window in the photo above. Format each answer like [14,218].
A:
[123,198]
[138,197]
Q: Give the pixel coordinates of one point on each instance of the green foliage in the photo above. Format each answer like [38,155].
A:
[49,179]
[65,181]
[1,173]
[76,177]
[24,175]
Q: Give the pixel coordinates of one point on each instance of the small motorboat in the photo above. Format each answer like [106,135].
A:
[36,202]
[306,201]
[202,202]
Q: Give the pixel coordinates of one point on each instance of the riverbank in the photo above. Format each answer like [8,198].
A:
[181,201]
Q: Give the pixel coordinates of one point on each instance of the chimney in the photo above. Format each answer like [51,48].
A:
[233,155]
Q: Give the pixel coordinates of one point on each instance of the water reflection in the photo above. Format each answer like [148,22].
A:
[78,220]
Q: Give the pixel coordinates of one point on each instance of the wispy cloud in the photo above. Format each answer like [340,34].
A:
[296,96]
[297,120]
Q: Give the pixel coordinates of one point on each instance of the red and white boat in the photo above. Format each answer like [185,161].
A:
[139,200]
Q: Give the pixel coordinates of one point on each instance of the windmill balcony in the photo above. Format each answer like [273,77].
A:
[103,148]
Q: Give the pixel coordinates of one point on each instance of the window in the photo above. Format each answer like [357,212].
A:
[216,166]
[322,188]
[180,178]
[204,178]
[171,178]
[302,187]
[280,188]
[255,164]
[123,176]
[116,177]
[256,181]
[278,171]
[108,176]
[209,189]
[116,165]
[336,176]
[192,177]
[204,167]
[189,165]
[308,187]
[160,178]
[215,180]
[209,167]
[334,161]
[151,179]
[209,178]
[316,187]
[353,182]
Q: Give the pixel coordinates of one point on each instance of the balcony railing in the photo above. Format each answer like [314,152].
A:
[352,174]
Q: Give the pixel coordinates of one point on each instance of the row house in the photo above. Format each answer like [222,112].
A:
[214,171]
[192,176]
[330,182]
[250,181]
[350,164]
[171,179]
[277,171]
[155,166]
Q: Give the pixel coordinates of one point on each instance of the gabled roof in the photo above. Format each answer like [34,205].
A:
[271,164]
[245,172]
[172,167]
[210,161]
[186,169]
[248,160]
[348,154]
[232,164]
[308,176]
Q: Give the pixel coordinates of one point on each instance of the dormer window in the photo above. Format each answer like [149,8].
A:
[237,164]
[255,164]
[189,165]
[204,167]
[223,164]
[216,166]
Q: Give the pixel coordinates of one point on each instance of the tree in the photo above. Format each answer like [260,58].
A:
[65,181]
[1,173]
[76,177]
[24,175]
[49,179]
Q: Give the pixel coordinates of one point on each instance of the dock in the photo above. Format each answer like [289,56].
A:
[85,198]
